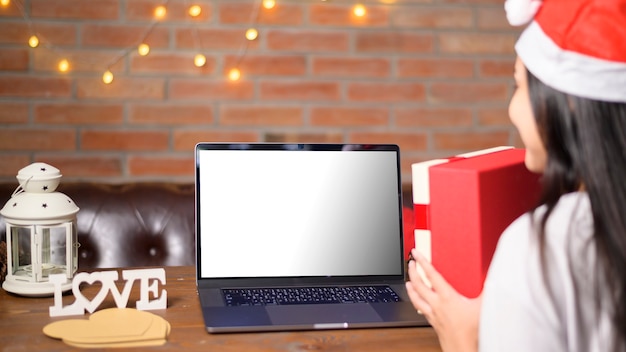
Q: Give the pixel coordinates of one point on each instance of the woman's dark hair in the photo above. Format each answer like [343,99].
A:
[585,141]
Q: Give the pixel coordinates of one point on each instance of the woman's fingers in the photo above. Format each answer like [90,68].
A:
[423,290]
[438,283]
[418,303]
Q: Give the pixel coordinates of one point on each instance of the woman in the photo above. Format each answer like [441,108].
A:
[557,280]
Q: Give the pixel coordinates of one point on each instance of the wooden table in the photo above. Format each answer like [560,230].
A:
[22,320]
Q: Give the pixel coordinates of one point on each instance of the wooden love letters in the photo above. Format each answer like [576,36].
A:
[149,280]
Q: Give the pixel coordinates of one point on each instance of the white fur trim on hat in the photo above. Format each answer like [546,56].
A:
[520,12]
[568,71]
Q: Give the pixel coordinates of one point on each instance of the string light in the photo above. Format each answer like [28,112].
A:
[252,34]
[143,49]
[107,77]
[33,41]
[269,4]
[199,60]
[234,74]
[64,65]
[359,10]
[195,10]
[160,12]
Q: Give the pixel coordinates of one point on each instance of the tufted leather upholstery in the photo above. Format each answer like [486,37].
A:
[129,225]
[142,224]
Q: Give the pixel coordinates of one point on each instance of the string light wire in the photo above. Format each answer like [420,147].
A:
[36,40]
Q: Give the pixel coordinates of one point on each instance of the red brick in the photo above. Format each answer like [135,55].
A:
[482,2]
[185,140]
[37,139]
[33,87]
[161,165]
[433,17]
[393,42]
[299,90]
[78,113]
[424,117]
[260,116]
[476,43]
[210,90]
[303,137]
[351,67]
[121,88]
[13,113]
[469,140]
[79,60]
[497,68]
[492,18]
[176,10]
[164,63]
[261,65]
[75,9]
[123,36]
[406,141]
[241,13]
[11,10]
[202,39]
[494,117]
[342,15]
[83,166]
[171,114]
[10,165]
[14,60]
[18,32]
[349,116]
[307,41]
[124,140]
[386,92]
[468,92]
[439,67]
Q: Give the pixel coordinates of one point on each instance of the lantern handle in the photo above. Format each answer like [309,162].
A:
[20,188]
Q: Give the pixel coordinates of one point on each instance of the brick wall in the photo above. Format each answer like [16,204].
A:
[433,76]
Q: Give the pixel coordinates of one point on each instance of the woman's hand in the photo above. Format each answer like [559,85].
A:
[453,316]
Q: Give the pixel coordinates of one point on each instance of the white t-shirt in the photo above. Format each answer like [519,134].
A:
[518,312]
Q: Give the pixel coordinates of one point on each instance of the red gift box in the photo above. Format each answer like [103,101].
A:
[462,205]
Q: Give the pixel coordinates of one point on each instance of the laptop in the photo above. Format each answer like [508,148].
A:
[300,237]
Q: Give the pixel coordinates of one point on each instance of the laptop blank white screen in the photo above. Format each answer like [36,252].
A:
[276,213]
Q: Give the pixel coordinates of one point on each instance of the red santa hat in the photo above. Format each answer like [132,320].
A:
[575,46]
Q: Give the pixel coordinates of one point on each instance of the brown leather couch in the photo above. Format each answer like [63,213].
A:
[141,224]
[129,225]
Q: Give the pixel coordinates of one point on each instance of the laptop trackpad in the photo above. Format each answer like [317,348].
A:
[322,314]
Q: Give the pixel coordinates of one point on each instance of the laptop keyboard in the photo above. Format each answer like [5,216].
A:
[308,295]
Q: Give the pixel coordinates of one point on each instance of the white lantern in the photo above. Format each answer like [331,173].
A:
[41,233]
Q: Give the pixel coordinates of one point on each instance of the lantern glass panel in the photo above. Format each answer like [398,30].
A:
[21,250]
[53,250]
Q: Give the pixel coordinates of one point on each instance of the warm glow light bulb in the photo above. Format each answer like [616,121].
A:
[252,34]
[160,12]
[269,4]
[195,11]
[143,49]
[199,60]
[4,2]
[234,74]
[107,77]
[359,10]
[33,41]
[64,65]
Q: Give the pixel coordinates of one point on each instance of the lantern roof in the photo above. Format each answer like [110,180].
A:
[35,200]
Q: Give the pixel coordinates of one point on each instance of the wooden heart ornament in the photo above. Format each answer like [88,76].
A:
[113,327]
